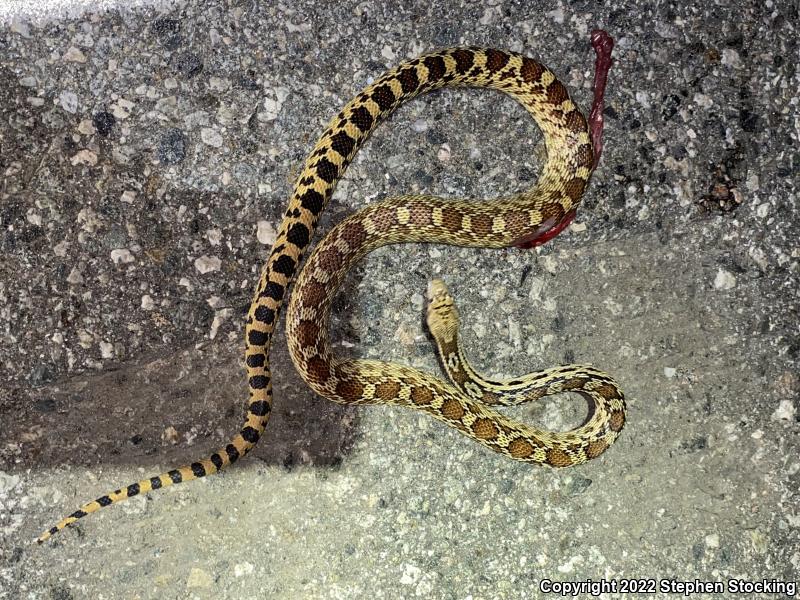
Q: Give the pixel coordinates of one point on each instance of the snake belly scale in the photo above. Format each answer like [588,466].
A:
[466,404]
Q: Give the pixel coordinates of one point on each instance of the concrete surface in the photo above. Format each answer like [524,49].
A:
[146,158]
[42,11]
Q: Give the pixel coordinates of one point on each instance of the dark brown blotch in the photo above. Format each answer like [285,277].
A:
[350,390]
[326,170]
[484,429]
[383,97]
[452,409]
[330,260]
[421,395]
[343,144]
[556,92]
[516,221]
[420,214]
[553,212]
[496,60]
[313,293]
[575,121]
[307,333]
[520,448]
[354,234]
[387,390]
[558,458]
[464,59]
[489,398]
[574,188]
[531,70]
[596,448]
[436,68]
[576,383]
[409,80]
[451,219]
[616,420]
[585,156]
[482,223]
[362,119]
[459,377]
[608,391]
[385,217]
[318,370]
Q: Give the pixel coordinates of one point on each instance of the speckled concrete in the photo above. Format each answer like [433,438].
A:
[145,160]
[43,11]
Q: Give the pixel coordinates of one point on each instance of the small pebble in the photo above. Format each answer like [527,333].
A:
[103,122]
[86,127]
[8,482]
[266,233]
[122,256]
[214,236]
[207,264]
[170,434]
[73,54]
[730,57]
[241,569]
[20,27]
[785,411]
[68,101]
[84,157]
[272,105]
[218,84]
[198,578]
[577,227]
[411,574]
[106,350]
[557,15]
[420,125]
[643,98]
[211,137]
[122,108]
[725,280]
[172,147]
[187,64]
[75,277]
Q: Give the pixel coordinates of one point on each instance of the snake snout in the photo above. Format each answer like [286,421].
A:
[442,317]
[437,290]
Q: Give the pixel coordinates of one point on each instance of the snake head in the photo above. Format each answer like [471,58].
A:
[442,315]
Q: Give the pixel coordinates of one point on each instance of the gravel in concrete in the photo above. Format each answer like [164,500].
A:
[146,158]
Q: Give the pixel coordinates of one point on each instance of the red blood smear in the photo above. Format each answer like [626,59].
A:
[545,232]
[602,44]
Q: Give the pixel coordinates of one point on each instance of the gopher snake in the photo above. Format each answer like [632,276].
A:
[525,219]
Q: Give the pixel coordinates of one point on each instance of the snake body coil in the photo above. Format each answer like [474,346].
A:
[516,220]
